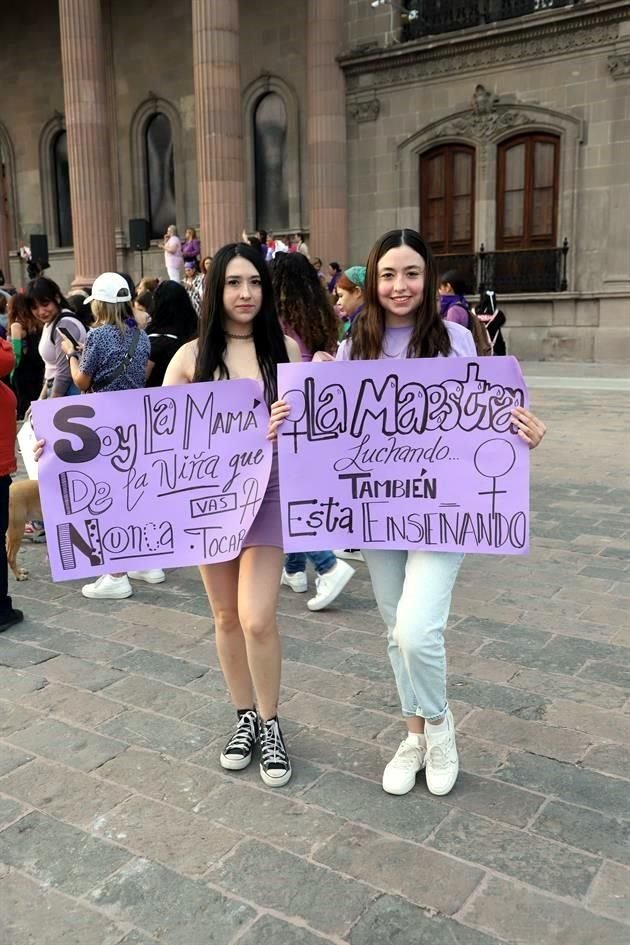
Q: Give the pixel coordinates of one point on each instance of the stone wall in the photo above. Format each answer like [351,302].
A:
[150,67]
[30,99]
[567,327]
[392,98]
[568,70]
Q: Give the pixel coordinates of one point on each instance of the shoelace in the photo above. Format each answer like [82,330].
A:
[244,736]
[439,755]
[272,748]
[406,756]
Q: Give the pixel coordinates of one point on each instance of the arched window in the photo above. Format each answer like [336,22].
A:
[527,191]
[447,198]
[160,174]
[61,180]
[270,161]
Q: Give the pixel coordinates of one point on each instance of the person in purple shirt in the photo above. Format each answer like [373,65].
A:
[453,304]
[413,588]
[191,247]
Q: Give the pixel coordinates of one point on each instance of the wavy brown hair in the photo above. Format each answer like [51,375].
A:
[19,310]
[303,304]
[429,336]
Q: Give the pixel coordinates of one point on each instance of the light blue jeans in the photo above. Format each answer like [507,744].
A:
[323,561]
[413,593]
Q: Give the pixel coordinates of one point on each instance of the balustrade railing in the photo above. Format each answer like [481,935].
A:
[524,270]
[510,271]
[431,17]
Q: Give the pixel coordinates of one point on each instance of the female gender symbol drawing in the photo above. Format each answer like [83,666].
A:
[494,459]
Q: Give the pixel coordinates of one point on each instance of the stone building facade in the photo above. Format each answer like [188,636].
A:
[503,124]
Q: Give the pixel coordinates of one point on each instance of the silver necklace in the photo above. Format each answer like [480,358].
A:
[398,353]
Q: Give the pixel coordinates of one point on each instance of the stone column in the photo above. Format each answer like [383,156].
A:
[89,139]
[217,82]
[327,146]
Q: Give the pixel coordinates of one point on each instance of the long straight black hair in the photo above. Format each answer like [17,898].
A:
[268,338]
[173,312]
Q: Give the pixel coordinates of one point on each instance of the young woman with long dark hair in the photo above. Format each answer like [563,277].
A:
[241,337]
[173,322]
[25,332]
[307,315]
[413,588]
[53,311]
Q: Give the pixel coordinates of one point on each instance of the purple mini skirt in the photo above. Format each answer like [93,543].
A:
[267,526]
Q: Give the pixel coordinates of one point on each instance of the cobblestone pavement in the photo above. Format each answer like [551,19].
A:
[117,826]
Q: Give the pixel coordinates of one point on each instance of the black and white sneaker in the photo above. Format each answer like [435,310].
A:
[238,751]
[275,767]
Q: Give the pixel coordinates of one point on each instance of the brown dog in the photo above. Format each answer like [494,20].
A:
[24,506]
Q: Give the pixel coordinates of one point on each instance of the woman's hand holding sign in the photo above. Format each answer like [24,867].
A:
[530,427]
[280,410]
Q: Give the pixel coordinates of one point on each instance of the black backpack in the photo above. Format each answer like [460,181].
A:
[477,330]
[66,313]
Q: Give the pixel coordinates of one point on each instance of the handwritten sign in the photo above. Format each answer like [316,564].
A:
[417,454]
[161,477]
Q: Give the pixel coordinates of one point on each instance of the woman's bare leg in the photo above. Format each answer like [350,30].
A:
[258,590]
[221,582]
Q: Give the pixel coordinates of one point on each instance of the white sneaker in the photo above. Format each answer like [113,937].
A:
[297,582]
[152,576]
[442,763]
[328,586]
[108,587]
[349,555]
[400,773]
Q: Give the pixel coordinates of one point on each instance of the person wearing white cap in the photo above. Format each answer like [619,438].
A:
[114,357]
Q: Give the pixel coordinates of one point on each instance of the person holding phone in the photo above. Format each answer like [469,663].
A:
[53,312]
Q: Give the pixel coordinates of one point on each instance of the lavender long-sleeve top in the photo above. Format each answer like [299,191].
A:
[396,342]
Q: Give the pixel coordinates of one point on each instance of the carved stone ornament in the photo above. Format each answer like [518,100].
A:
[365,111]
[619,66]
[487,118]
[483,102]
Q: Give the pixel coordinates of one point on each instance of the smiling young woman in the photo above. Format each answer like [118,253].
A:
[413,588]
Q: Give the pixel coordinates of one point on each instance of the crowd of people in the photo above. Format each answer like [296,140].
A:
[261,303]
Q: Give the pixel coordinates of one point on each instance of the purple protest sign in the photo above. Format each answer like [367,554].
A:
[417,454]
[161,477]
